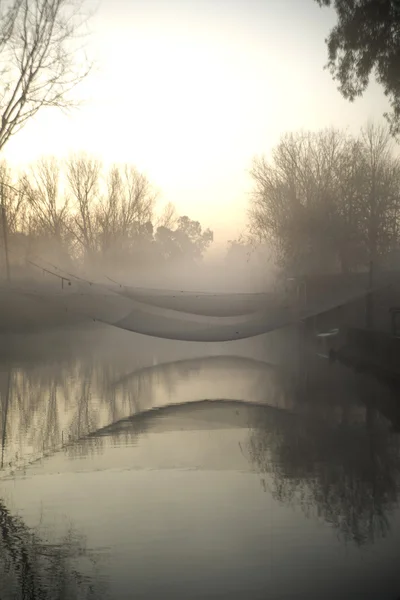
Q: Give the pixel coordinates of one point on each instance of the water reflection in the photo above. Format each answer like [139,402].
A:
[346,473]
[46,408]
[31,567]
[340,465]
[169,454]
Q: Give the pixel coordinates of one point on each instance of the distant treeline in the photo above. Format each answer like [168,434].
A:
[75,211]
[329,201]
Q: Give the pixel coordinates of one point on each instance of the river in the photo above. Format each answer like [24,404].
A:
[134,467]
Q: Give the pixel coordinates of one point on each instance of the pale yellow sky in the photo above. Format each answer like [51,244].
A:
[190,90]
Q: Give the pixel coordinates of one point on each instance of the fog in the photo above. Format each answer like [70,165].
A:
[63,297]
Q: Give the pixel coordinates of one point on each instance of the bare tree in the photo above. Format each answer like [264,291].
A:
[13,216]
[328,199]
[7,22]
[39,59]
[48,211]
[12,199]
[380,197]
[168,218]
[42,191]
[125,208]
[296,202]
[74,212]
[83,175]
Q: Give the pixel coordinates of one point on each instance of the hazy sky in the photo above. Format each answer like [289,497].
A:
[190,90]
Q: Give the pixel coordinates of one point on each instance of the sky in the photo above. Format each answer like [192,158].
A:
[189,91]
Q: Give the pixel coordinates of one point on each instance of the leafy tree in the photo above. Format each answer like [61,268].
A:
[186,241]
[366,41]
[191,236]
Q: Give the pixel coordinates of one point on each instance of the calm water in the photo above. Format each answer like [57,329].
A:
[132,468]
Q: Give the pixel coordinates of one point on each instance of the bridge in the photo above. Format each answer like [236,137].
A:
[188,316]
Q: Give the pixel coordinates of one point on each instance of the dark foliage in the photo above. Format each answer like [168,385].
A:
[364,42]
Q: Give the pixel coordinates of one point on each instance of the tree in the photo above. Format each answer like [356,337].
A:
[239,252]
[12,199]
[83,174]
[365,41]
[47,211]
[125,209]
[187,241]
[12,213]
[380,198]
[299,201]
[327,200]
[192,237]
[169,217]
[39,59]
[345,473]
[41,187]
[73,211]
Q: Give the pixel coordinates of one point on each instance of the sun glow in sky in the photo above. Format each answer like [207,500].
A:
[190,90]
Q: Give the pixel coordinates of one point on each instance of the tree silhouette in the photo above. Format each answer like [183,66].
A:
[74,213]
[365,41]
[327,200]
[186,241]
[34,569]
[40,62]
[344,469]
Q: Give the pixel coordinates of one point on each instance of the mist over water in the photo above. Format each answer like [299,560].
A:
[156,428]
[199,316]
[130,462]
[67,298]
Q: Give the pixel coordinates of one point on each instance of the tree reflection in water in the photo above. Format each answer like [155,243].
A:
[31,568]
[46,408]
[335,456]
[49,407]
[340,465]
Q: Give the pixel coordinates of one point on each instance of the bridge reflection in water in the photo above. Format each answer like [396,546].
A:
[149,474]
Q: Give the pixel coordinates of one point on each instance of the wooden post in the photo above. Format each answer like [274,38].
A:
[5,235]
[369,301]
[5,415]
